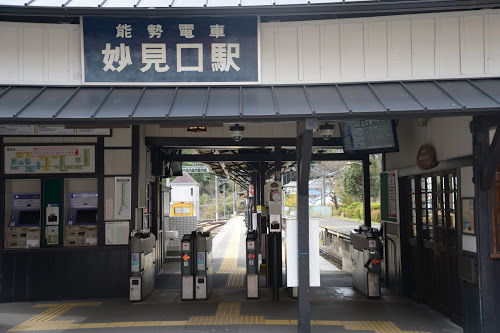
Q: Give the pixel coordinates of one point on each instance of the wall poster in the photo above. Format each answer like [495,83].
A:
[49,159]
[117,233]
[468,216]
[123,198]
[389,197]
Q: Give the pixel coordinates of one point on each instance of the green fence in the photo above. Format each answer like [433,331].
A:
[321,210]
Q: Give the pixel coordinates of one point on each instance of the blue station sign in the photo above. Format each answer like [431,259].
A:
[163,50]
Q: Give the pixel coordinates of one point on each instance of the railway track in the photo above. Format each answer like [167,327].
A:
[335,260]
[211,225]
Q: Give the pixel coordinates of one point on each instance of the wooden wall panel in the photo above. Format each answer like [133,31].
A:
[448,46]
[423,47]
[309,58]
[352,62]
[405,47]
[492,43]
[472,44]
[287,59]
[375,49]
[400,48]
[39,53]
[9,56]
[33,54]
[330,52]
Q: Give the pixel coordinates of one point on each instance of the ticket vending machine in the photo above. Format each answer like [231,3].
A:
[187,267]
[24,223]
[203,279]
[252,266]
[81,222]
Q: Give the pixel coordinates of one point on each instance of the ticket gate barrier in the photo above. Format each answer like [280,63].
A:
[203,279]
[142,270]
[252,265]
[366,261]
[187,267]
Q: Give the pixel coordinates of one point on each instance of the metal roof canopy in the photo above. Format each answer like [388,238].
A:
[154,8]
[383,100]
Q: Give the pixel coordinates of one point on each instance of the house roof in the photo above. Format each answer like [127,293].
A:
[184,179]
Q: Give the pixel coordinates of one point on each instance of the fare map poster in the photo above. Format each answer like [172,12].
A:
[49,159]
[123,198]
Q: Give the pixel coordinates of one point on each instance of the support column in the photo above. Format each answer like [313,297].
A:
[366,191]
[275,237]
[483,227]
[304,153]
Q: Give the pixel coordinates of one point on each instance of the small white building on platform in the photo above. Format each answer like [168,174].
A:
[185,188]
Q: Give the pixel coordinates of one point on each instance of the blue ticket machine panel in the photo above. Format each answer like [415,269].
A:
[81,222]
[24,223]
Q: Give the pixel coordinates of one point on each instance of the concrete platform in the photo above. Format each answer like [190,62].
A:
[335,307]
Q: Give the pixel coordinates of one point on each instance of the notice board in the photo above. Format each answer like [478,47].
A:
[389,197]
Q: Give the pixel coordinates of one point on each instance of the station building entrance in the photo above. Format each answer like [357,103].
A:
[89,127]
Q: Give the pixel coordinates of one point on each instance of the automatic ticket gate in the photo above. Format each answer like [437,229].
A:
[252,265]
[196,265]
[142,270]
[366,261]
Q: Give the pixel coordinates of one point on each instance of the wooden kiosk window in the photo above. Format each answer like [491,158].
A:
[495,203]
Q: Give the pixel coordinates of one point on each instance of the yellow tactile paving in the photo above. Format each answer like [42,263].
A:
[227,314]
[229,264]
[230,261]
[228,309]
[46,320]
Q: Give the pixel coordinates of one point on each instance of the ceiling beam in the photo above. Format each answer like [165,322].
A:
[230,144]
[259,157]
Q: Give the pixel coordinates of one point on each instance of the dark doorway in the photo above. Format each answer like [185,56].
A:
[430,224]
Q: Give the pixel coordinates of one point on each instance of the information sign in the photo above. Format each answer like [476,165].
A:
[51,130]
[155,49]
[389,197]
[369,136]
[49,159]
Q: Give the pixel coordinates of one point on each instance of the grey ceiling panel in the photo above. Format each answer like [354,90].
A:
[467,95]
[189,102]
[223,102]
[360,98]
[395,97]
[258,102]
[155,103]
[15,99]
[292,101]
[120,103]
[48,103]
[84,103]
[490,87]
[326,99]
[431,96]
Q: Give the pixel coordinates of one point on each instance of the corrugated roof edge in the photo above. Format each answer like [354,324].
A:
[340,8]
